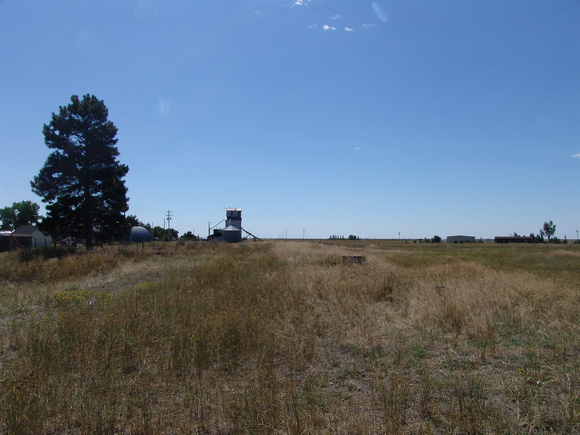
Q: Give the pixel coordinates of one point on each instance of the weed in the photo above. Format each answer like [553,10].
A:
[468,404]
[282,337]
[394,399]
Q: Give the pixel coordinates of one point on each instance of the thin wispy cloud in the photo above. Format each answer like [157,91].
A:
[380,12]
[328,27]
[301,2]
[576,155]
[163,107]
[325,27]
[145,10]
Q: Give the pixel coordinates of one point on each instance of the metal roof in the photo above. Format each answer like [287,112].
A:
[140,234]
[25,230]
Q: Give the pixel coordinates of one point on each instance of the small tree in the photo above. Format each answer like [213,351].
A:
[163,233]
[436,239]
[188,236]
[133,221]
[549,229]
[82,181]
[20,213]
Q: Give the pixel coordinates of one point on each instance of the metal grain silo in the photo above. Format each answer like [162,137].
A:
[232,233]
[234,217]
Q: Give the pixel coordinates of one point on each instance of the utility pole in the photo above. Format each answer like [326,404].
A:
[169,215]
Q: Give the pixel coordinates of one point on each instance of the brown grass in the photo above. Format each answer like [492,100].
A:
[281,337]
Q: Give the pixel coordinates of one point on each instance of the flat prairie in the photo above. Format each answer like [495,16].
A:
[282,337]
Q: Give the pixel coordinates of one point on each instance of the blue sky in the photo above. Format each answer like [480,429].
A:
[318,117]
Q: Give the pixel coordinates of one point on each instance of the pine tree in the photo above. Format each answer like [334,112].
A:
[82,181]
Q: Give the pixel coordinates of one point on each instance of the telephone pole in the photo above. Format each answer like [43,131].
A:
[169,216]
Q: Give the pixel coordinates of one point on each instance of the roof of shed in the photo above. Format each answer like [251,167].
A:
[25,230]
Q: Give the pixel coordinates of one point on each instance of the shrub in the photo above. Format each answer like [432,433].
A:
[45,253]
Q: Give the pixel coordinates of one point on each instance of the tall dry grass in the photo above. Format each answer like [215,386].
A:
[281,337]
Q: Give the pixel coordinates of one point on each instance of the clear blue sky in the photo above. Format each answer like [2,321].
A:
[416,117]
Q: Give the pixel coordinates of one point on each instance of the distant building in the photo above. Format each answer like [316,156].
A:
[460,239]
[513,239]
[232,233]
[140,234]
[5,238]
[29,236]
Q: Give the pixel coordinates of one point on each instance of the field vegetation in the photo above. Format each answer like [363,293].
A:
[282,337]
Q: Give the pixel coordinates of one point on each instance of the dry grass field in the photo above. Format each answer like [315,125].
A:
[281,337]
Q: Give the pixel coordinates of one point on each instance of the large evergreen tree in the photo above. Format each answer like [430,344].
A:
[82,181]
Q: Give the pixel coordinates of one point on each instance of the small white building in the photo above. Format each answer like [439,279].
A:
[29,236]
[460,239]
